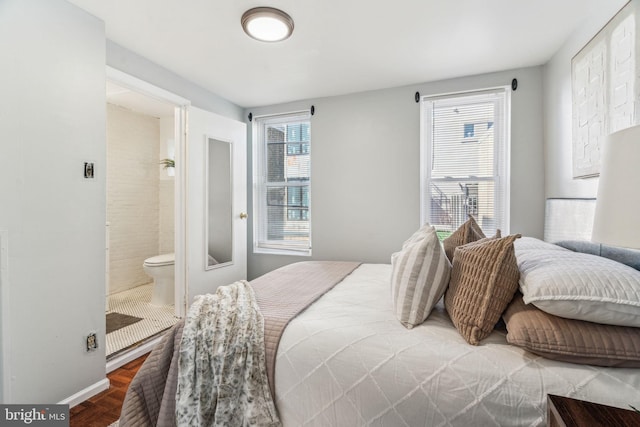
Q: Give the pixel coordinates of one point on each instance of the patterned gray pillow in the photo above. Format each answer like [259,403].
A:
[420,275]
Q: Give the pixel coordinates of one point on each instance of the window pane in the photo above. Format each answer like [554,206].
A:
[294,196]
[275,134]
[296,165]
[464,148]
[286,224]
[283,153]
[298,214]
[276,196]
[275,162]
[451,203]
[284,204]
[469,130]
[463,140]
[293,149]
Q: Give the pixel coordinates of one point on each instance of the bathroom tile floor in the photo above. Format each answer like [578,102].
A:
[136,302]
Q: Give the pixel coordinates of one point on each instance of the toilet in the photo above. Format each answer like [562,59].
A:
[161,269]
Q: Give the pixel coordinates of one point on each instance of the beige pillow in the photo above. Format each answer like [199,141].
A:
[468,232]
[418,235]
[419,277]
[571,340]
[484,278]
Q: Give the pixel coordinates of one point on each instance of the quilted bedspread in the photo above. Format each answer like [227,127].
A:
[347,361]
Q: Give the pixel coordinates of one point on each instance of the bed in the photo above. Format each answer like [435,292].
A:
[347,360]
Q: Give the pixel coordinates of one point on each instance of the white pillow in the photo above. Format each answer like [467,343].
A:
[419,277]
[531,243]
[580,286]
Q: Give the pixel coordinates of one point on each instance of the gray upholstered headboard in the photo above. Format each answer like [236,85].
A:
[568,222]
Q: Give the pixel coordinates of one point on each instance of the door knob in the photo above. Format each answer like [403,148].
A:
[243,215]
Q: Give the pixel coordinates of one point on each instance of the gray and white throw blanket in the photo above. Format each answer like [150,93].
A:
[222,380]
[281,295]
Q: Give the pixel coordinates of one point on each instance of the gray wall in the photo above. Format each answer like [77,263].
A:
[52,221]
[559,180]
[126,61]
[365,183]
[53,120]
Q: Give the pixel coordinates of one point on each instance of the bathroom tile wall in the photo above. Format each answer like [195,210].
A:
[132,195]
[167,203]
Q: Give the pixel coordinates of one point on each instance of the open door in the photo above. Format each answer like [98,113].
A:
[216,200]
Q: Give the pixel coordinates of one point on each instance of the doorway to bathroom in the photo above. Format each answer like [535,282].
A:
[144,131]
[209,195]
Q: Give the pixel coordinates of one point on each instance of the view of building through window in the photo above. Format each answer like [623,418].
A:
[464,145]
[283,197]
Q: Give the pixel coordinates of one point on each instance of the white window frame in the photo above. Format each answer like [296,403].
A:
[502,154]
[260,242]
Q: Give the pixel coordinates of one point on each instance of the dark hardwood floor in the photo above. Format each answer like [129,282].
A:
[104,408]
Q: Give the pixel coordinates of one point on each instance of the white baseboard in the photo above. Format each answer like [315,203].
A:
[132,354]
[112,365]
[87,393]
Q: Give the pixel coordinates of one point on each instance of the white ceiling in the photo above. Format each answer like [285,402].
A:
[339,46]
[138,102]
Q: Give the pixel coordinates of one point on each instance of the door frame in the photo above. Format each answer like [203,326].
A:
[180,182]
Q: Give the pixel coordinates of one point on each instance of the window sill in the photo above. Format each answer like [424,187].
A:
[281,251]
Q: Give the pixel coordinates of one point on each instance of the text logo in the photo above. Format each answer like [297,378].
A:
[34,415]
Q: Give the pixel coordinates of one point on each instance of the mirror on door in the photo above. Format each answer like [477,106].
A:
[219,205]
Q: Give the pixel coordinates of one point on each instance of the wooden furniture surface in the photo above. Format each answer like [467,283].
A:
[568,412]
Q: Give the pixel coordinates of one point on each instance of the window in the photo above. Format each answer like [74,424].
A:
[470,129]
[460,178]
[282,173]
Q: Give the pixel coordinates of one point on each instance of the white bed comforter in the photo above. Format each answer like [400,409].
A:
[347,361]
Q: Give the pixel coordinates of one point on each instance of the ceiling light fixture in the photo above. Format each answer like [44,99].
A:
[267,24]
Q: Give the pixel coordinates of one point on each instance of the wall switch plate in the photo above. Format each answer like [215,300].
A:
[88,170]
[92,342]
